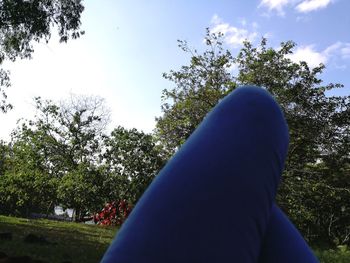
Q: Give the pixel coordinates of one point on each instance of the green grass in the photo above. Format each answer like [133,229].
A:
[340,255]
[68,241]
[85,243]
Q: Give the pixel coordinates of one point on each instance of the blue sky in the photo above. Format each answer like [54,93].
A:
[129,44]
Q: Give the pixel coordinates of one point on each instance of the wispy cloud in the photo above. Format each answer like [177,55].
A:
[312,5]
[345,51]
[301,6]
[339,49]
[233,36]
[275,5]
[243,22]
[334,48]
[335,52]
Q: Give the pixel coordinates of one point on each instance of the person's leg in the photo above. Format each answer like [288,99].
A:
[212,201]
[283,243]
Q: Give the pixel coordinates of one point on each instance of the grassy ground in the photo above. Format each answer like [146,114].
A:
[68,241]
[84,243]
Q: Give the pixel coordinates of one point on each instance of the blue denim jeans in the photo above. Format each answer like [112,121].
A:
[214,201]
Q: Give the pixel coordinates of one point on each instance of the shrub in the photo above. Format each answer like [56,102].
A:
[114,213]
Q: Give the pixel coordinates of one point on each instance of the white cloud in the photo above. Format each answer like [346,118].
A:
[309,55]
[302,6]
[233,36]
[339,49]
[311,5]
[277,5]
[335,52]
[215,19]
[333,48]
[345,51]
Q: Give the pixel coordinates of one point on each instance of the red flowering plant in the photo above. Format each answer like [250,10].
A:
[114,213]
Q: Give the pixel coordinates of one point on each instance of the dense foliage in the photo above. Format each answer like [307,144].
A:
[24,22]
[315,192]
[134,159]
[63,157]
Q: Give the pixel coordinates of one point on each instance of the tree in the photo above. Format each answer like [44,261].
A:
[66,141]
[62,157]
[317,122]
[316,172]
[133,160]
[4,83]
[25,186]
[4,152]
[317,167]
[198,89]
[24,22]
[82,189]
[83,121]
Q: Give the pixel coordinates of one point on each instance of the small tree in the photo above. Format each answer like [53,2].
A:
[114,213]
[66,141]
[25,186]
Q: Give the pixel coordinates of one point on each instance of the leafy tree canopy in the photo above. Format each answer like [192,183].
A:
[133,160]
[198,88]
[64,142]
[23,22]
[319,124]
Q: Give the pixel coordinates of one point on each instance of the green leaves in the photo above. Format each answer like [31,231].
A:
[64,153]
[317,138]
[24,22]
[198,88]
[135,159]
[315,189]
[62,143]
[81,189]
